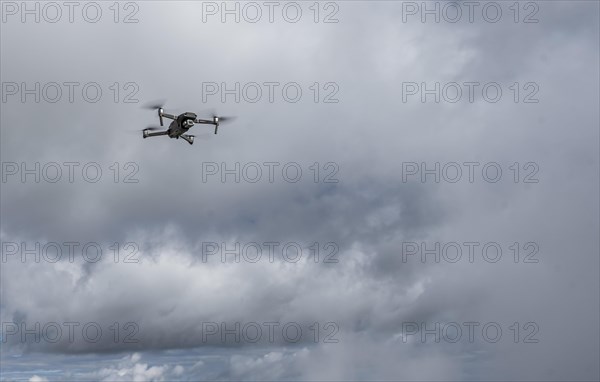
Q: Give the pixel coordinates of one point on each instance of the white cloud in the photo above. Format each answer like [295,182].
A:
[37,378]
[131,369]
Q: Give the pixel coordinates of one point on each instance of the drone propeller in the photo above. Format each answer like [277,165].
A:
[223,119]
[154,105]
[150,128]
[213,115]
[219,119]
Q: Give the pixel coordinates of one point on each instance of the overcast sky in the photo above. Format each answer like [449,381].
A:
[389,142]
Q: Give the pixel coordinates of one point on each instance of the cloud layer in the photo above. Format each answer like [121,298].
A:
[360,203]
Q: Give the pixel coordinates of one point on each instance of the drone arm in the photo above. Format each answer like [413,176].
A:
[204,121]
[161,114]
[158,133]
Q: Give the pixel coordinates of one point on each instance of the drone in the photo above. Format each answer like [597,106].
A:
[181,124]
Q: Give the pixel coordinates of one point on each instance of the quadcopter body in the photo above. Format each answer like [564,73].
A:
[181,124]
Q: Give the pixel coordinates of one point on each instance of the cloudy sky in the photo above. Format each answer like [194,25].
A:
[409,191]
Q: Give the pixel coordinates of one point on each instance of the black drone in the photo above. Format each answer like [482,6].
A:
[181,124]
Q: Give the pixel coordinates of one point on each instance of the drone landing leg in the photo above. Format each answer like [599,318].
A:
[188,138]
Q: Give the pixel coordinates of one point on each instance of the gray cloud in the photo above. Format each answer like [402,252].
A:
[371,293]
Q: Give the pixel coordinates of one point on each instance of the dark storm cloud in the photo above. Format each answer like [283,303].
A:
[369,213]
